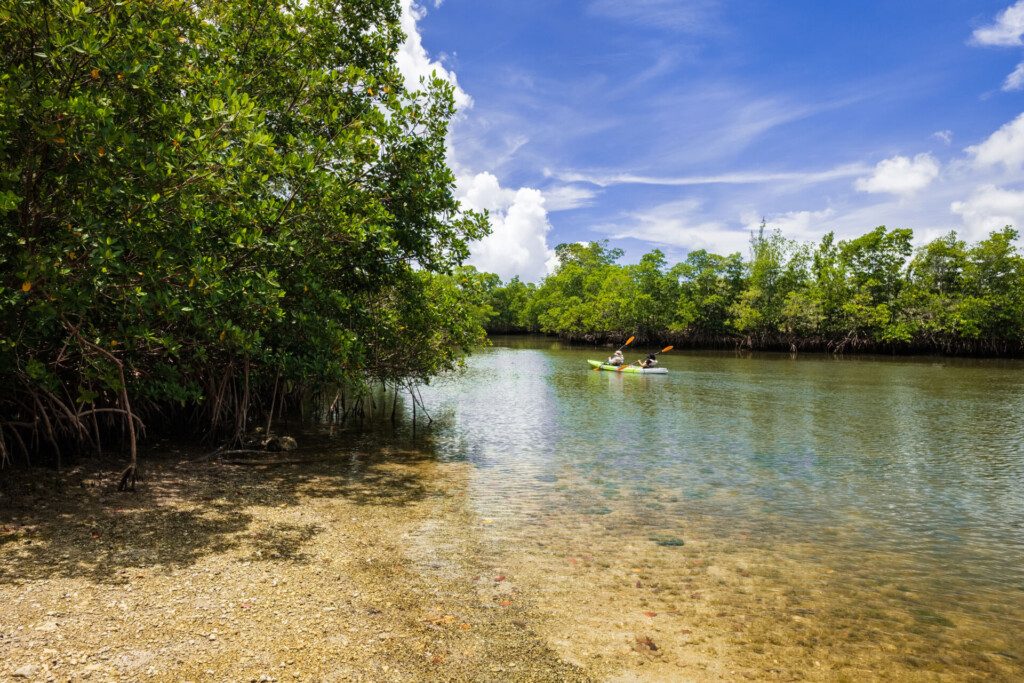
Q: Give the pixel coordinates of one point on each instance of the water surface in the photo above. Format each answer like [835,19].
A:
[819,517]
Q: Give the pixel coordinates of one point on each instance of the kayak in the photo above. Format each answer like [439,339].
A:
[632,369]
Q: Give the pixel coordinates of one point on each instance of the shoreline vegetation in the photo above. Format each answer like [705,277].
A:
[872,294]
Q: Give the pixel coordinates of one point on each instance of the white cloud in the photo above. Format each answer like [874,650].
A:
[990,208]
[738,178]
[692,16]
[798,225]
[565,197]
[900,175]
[518,243]
[1015,81]
[1005,146]
[483,192]
[943,136]
[678,224]
[415,63]
[972,193]
[1006,31]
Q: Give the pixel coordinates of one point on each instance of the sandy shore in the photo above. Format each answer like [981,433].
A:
[226,572]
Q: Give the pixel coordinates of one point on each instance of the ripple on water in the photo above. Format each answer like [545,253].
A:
[816,517]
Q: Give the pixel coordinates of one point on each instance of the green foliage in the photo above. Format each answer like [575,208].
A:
[777,268]
[870,292]
[591,293]
[223,192]
[709,286]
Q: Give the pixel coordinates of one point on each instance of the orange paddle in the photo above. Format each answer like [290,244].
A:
[622,367]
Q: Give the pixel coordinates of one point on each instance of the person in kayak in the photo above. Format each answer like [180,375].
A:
[617,358]
[650,361]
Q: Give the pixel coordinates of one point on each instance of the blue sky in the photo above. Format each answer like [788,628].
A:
[678,125]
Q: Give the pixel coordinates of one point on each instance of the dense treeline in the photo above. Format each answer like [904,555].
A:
[213,212]
[875,292]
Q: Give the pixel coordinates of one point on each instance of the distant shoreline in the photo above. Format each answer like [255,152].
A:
[784,344]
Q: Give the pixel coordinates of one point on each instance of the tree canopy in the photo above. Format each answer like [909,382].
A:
[204,201]
[873,292]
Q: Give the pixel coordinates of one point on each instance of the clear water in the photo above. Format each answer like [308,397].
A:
[783,517]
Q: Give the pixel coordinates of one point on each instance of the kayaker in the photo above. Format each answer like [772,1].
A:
[650,361]
[617,358]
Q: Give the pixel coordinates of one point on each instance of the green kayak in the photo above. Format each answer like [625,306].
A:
[633,369]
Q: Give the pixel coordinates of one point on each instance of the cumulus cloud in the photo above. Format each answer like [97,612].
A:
[1005,146]
[518,243]
[990,208]
[900,175]
[1007,29]
[413,60]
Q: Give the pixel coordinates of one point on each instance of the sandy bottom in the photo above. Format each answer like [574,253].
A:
[381,567]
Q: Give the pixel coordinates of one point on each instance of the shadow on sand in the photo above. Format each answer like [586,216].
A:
[78,526]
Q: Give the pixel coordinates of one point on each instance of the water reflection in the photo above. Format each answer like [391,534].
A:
[901,481]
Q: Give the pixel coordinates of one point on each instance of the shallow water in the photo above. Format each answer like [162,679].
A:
[764,516]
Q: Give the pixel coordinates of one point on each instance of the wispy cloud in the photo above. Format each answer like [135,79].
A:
[690,16]
[678,224]
[714,121]
[736,178]
[663,65]
[566,197]
[1015,79]
[797,225]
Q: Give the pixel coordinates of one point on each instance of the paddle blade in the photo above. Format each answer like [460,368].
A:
[666,349]
[629,341]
